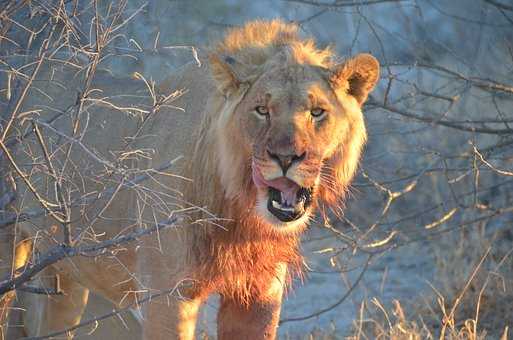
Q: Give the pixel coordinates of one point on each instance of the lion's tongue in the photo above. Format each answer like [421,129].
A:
[287,187]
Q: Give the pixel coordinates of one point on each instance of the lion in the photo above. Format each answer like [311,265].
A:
[271,130]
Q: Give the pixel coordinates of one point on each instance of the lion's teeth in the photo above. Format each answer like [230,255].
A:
[281,207]
[285,201]
[276,205]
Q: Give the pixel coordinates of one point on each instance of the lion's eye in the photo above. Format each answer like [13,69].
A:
[262,110]
[317,112]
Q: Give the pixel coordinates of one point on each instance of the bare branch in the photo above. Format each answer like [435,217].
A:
[63,251]
[344,3]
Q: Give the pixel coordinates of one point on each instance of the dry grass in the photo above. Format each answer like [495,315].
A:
[395,324]
[477,283]
[470,300]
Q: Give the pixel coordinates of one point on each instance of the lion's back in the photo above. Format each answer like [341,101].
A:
[118,136]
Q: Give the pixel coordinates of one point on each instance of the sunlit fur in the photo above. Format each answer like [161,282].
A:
[221,164]
[232,245]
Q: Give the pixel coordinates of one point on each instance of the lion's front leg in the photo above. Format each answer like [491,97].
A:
[258,320]
[172,318]
[53,313]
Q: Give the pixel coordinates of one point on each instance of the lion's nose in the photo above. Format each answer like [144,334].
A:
[286,161]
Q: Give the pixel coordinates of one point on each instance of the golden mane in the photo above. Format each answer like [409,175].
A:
[257,41]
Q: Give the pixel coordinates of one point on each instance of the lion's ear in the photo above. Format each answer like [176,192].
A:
[357,75]
[228,73]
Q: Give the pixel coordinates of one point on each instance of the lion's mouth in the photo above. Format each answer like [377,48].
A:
[289,205]
[286,200]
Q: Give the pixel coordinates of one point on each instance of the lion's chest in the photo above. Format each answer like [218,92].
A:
[248,268]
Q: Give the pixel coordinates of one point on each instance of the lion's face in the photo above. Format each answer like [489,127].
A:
[301,131]
[292,121]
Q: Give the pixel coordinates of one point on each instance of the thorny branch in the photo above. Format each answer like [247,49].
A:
[437,162]
[55,37]
[63,251]
[136,304]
